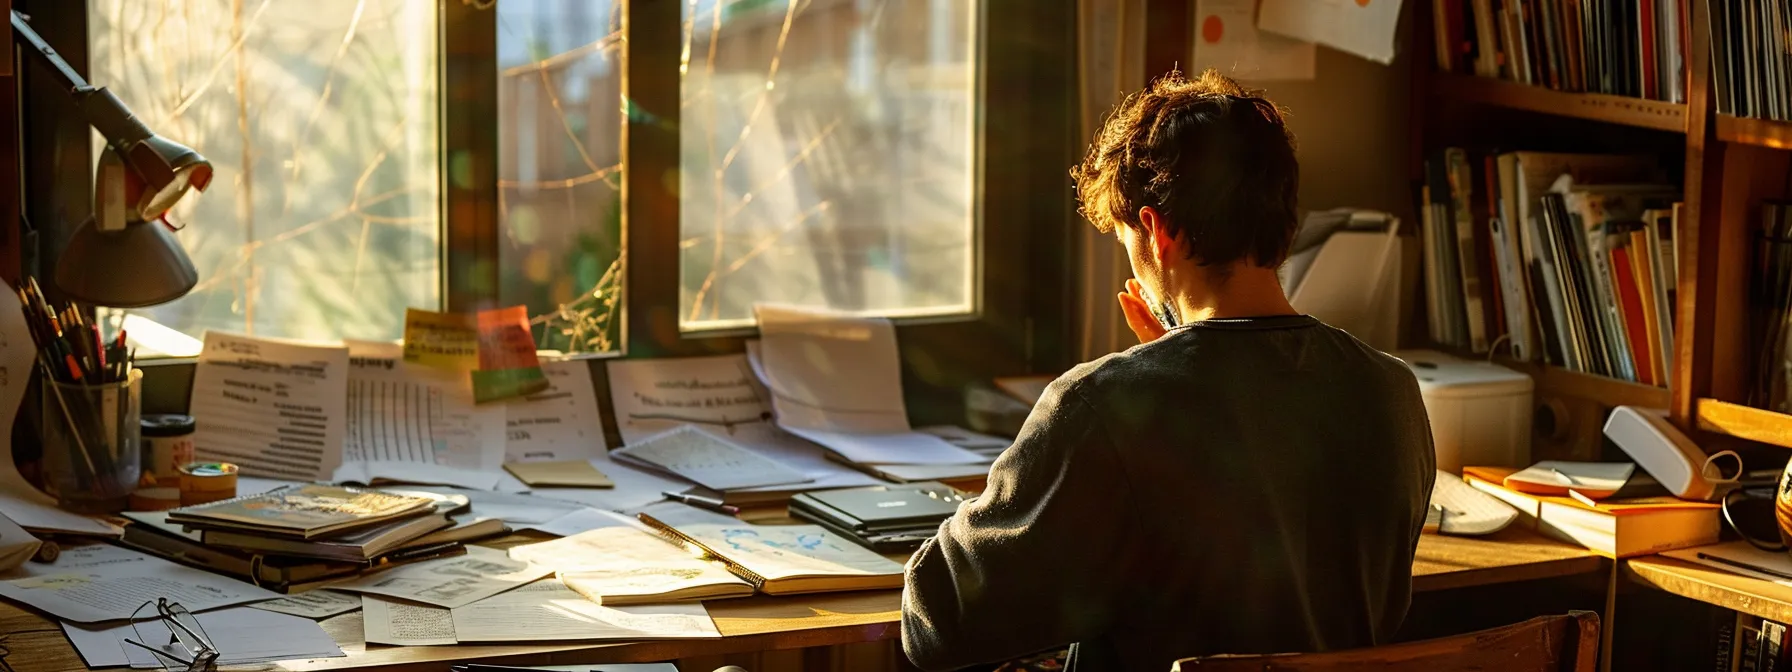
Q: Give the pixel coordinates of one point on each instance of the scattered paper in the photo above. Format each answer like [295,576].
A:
[1226,39]
[836,380]
[276,409]
[1364,27]
[635,487]
[91,584]
[1739,557]
[16,545]
[548,610]
[782,551]
[402,413]
[313,604]
[542,611]
[625,562]
[558,423]
[519,509]
[708,460]
[560,473]
[242,635]
[449,582]
[400,624]
[583,519]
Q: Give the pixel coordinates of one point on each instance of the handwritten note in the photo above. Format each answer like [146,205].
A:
[277,409]
[558,423]
[720,393]
[709,460]
[442,340]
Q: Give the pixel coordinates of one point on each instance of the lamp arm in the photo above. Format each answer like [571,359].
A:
[104,111]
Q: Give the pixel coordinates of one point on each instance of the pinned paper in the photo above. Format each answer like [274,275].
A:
[494,346]
[563,473]
[1227,39]
[1362,27]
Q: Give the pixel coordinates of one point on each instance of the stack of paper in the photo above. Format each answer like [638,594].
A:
[836,380]
[242,635]
[541,611]
[93,584]
[708,460]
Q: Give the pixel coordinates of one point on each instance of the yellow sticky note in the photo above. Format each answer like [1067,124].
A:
[563,473]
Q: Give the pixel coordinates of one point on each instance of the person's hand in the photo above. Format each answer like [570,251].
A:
[1138,313]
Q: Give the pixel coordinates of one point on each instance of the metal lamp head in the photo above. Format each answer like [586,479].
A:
[139,265]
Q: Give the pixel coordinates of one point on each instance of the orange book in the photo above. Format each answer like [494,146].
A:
[1630,308]
[1615,528]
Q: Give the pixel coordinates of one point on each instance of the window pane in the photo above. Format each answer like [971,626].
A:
[320,118]
[560,166]
[828,152]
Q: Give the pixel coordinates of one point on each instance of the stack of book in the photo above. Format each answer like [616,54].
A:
[1565,257]
[1631,48]
[1616,528]
[296,537]
[1771,306]
[1751,58]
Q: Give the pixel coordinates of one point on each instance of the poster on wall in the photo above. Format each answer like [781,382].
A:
[1226,39]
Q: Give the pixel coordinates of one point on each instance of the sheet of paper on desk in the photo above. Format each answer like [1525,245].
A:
[312,604]
[401,624]
[559,423]
[243,636]
[836,380]
[585,518]
[627,562]
[449,582]
[91,584]
[1738,557]
[548,610]
[635,487]
[709,460]
[277,409]
[413,423]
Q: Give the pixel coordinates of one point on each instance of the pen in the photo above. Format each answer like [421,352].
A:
[702,502]
[1743,565]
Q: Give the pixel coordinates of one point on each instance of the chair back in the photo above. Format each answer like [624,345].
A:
[1567,643]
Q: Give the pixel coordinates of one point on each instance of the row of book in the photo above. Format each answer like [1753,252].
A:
[1749,643]
[1631,48]
[1568,258]
[1771,307]
[1751,58]
[303,536]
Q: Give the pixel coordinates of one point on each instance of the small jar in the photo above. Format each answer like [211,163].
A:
[167,444]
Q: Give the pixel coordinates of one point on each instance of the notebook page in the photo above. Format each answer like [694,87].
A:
[784,551]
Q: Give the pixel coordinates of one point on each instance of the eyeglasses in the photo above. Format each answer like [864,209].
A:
[173,635]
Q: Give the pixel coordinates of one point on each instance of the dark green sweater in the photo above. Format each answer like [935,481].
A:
[1236,486]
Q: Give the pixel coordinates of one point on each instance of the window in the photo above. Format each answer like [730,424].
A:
[560,124]
[320,118]
[828,157]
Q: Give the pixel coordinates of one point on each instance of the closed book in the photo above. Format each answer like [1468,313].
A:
[358,546]
[1773,640]
[150,532]
[783,559]
[302,511]
[1618,528]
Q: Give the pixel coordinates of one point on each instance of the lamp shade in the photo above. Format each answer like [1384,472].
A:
[141,265]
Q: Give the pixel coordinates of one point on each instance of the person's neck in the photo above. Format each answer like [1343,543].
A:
[1248,291]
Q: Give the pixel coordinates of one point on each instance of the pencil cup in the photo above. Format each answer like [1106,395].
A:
[92,448]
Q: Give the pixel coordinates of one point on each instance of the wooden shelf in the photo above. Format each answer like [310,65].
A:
[1762,132]
[1557,380]
[1652,114]
[1744,422]
[1713,586]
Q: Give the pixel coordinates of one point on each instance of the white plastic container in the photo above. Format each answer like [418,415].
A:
[1480,412]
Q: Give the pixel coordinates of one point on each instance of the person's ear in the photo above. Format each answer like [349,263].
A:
[1157,231]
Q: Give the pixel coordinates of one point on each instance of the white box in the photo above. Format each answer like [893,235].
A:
[1480,412]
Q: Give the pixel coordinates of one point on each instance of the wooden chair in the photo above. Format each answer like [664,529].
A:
[1545,644]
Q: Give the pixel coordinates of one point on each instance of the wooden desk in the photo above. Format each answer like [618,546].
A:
[776,623]
[1713,586]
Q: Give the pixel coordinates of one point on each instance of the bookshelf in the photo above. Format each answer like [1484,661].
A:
[1744,422]
[1760,132]
[1650,114]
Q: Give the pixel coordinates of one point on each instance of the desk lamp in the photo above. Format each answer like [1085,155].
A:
[125,256]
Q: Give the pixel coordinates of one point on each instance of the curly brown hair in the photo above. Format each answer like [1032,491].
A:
[1214,160]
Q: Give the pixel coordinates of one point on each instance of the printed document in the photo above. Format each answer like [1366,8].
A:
[409,422]
[277,409]
[242,635]
[559,423]
[708,460]
[91,584]
[313,604]
[541,611]
[836,380]
[452,581]
[635,487]
[626,563]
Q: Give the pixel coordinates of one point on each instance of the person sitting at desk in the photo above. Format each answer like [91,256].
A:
[1252,481]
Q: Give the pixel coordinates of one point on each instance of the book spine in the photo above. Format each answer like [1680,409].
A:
[1467,266]
[1748,645]
[1723,648]
[1773,639]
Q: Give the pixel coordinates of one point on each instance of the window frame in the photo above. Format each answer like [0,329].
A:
[1023,210]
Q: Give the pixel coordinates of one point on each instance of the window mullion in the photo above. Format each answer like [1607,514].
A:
[469,167]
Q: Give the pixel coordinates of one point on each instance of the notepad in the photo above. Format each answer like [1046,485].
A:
[786,559]
[562,473]
[708,460]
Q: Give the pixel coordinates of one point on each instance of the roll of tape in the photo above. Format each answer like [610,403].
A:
[155,499]
[202,482]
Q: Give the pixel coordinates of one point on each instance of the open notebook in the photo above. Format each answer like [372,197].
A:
[784,559]
[627,563]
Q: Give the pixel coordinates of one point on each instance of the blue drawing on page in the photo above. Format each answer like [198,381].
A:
[740,539]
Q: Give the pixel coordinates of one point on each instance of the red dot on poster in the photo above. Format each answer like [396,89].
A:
[1212,28]
[1362,3]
